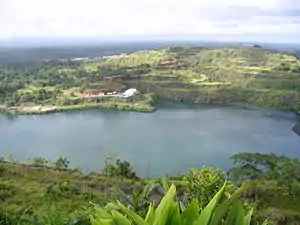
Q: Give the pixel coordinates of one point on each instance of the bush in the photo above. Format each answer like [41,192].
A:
[119,169]
[138,200]
[61,163]
[204,184]
[39,161]
[168,212]
[7,190]
[61,190]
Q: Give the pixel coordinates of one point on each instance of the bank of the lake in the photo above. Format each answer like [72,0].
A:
[143,103]
[119,106]
[189,135]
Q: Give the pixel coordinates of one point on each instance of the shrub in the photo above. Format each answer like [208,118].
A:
[61,190]
[120,169]
[61,163]
[8,157]
[39,161]
[168,212]
[137,200]
[204,184]
[7,190]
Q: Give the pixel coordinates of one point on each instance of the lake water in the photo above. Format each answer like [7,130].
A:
[169,141]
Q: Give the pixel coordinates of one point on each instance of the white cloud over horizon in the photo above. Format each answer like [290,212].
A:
[230,19]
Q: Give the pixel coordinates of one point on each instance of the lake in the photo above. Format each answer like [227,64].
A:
[168,141]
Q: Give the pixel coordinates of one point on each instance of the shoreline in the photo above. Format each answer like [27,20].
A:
[122,107]
[130,107]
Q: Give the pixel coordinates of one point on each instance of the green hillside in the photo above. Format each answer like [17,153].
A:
[248,75]
[49,193]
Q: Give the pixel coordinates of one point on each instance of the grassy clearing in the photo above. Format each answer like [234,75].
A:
[66,70]
[31,89]
[91,66]
[144,104]
[137,58]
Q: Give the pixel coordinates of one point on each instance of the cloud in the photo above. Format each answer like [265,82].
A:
[194,18]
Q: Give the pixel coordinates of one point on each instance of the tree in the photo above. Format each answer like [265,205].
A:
[120,169]
[264,166]
[61,163]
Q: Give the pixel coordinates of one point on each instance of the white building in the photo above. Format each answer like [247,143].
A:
[130,92]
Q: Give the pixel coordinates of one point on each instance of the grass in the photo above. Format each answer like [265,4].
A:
[91,66]
[30,89]
[38,189]
[137,58]
[144,104]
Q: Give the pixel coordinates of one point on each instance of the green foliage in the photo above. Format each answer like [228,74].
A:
[61,190]
[8,157]
[61,163]
[274,181]
[265,166]
[7,190]
[38,161]
[204,184]
[28,192]
[138,200]
[168,212]
[138,58]
[239,74]
[119,169]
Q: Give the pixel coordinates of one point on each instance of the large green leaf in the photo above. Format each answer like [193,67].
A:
[119,219]
[175,217]
[223,208]
[165,184]
[208,211]
[239,220]
[190,213]
[247,218]
[150,217]
[164,207]
[101,213]
[230,220]
[111,206]
[135,217]
[102,222]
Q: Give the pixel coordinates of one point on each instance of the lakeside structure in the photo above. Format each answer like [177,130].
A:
[126,94]
[29,109]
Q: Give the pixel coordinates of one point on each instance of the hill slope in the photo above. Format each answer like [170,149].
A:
[242,74]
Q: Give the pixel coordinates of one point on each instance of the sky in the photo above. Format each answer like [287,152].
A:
[265,20]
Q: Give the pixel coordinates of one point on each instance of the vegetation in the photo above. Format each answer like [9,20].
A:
[168,212]
[42,192]
[258,187]
[248,75]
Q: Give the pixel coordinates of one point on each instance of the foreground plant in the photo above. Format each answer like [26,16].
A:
[138,201]
[167,212]
[205,183]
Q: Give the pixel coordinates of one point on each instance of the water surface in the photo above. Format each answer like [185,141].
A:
[168,141]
